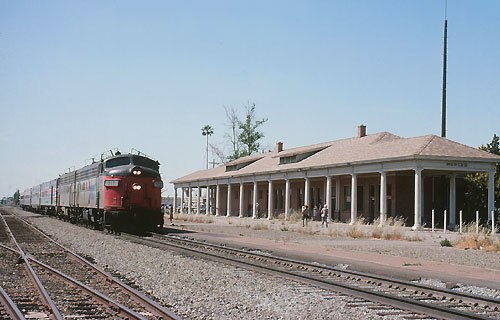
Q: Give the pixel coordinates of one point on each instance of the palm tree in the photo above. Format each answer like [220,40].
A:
[207,131]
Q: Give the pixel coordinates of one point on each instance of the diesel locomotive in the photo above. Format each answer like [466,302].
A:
[120,192]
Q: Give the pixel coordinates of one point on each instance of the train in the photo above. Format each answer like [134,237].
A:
[119,192]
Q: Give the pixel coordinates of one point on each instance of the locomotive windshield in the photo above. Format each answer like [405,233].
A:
[115,162]
[145,162]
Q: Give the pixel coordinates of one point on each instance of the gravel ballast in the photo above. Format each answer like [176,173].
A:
[199,289]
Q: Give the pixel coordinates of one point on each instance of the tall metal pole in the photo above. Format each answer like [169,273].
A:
[443,101]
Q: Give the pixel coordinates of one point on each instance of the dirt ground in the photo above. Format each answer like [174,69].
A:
[415,255]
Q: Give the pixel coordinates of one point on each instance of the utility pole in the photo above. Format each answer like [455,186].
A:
[443,98]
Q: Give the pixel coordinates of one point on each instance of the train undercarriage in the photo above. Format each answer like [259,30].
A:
[135,220]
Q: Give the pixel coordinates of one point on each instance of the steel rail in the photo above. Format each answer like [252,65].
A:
[155,308]
[454,294]
[10,307]
[46,299]
[400,302]
[9,249]
[103,299]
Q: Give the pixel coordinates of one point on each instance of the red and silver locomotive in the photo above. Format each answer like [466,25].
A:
[121,192]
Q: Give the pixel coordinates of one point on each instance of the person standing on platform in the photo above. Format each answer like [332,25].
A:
[324,216]
[305,215]
[171,214]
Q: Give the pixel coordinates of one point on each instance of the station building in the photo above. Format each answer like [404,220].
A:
[373,176]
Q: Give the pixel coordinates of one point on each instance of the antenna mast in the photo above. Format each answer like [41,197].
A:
[443,99]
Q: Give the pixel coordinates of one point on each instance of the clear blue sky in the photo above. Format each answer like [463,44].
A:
[80,77]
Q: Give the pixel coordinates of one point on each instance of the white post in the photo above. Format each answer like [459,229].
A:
[190,199]
[491,194]
[174,204]
[217,200]
[477,222]
[182,199]
[254,209]
[493,230]
[306,192]
[418,196]
[444,228]
[460,217]
[329,196]
[383,197]
[198,200]
[270,201]
[241,199]
[432,220]
[208,206]
[228,211]
[354,198]
[337,195]
[287,198]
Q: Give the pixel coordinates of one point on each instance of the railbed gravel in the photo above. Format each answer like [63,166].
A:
[199,289]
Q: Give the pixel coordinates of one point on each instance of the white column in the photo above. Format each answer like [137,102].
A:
[383,197]
[198,200]
[354,198]
[306,192]
[491,193]
[453,198]
[228,211]
[328,196]
[270,201]
[418,194]
[182,199]
[255,194]
[190,199]
[337,195]
[217,200]
[287,198]
[241,200]
[174,204]
[208,206]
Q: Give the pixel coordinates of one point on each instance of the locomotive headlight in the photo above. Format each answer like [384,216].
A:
[136,186]
[137,172]
[111,183]
[158,184]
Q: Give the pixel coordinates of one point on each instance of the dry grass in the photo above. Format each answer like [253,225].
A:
[194,218]
[294,216]
[356,229]
[481,241]
[390,229]
[259,226]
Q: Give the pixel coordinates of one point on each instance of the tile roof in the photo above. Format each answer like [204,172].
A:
[378,147]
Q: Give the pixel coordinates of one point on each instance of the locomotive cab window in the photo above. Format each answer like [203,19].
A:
[116,162]
[145,162]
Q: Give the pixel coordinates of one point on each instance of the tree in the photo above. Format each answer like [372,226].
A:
[207,131]
[249,135]
[233,122]
[476,184]
[218,152]
[17,196]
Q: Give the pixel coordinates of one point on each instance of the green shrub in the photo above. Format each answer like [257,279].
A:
[445,243]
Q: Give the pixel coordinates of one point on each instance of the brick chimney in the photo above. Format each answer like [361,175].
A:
[279,146]
[361,131]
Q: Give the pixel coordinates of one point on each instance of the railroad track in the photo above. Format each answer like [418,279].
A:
[48,281]
[387,296]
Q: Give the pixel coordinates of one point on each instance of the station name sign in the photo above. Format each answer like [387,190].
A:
[457,164]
